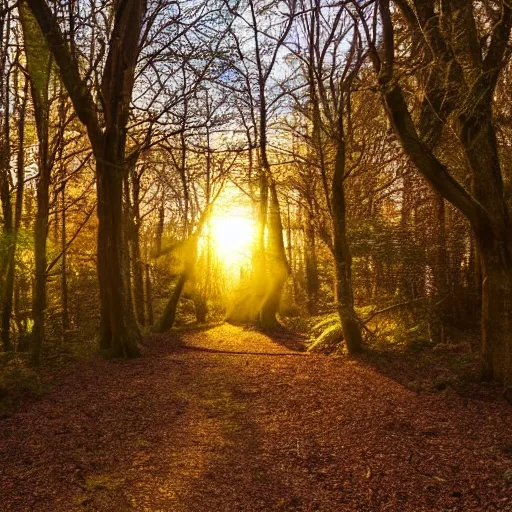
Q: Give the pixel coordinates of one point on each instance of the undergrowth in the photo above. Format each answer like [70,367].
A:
[20,382]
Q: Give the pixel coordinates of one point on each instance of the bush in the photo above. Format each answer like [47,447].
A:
[17,381]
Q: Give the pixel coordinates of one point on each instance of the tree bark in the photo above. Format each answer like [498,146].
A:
[469,89]
[136,260]
[342,257]
[168,316]
[10,268]
[496,313]
[148,294]
[312,283]
[5,193]
[64,266]
[39,65]
[40,236]
[277,265]
[119,333]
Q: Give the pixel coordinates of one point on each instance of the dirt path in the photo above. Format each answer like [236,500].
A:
[237,422]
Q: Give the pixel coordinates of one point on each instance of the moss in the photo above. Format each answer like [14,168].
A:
[328,340]
[109,482]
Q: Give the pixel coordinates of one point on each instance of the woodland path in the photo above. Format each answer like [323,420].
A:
[197,428]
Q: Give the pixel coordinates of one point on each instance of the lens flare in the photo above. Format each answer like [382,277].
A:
[232,238]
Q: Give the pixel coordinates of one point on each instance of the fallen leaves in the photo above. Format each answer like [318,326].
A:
[232,429]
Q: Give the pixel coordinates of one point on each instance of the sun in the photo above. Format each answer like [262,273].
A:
[233,237]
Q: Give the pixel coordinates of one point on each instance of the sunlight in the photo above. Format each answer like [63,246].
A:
[233,238]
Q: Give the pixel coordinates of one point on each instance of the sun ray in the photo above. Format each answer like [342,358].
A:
[232,238]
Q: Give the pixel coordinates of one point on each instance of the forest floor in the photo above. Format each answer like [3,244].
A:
[226,419]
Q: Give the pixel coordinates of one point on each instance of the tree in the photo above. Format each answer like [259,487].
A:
[329,86]
[6,256]
[39,65]
[119,333]
[265,41]
[460,89]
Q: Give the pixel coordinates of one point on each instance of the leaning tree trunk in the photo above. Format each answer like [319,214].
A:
[169,315]
[342,257]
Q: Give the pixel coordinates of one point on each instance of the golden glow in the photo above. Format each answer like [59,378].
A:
[232,237]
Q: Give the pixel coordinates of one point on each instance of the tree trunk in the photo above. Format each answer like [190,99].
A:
[277,265]
[119,333]
[41,226]
[148,294]
[312,283]
[5,197]
[200,307]
[247,308]
[40,236]
[495,245]
[64,267]
[136,260]
[496,313]
[160,226]
[486,212]
[441,269]
[127,233]
[258,255]
[10,264]
[342,257]
[169,314]
[138,279]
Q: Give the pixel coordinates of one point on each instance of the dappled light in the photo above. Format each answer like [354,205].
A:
[255,255]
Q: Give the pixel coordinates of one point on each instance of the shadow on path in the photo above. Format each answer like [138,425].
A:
[201,423]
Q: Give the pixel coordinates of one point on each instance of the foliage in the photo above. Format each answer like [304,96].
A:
[328,341]
[18,382]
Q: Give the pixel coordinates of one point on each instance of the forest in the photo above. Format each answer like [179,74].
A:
[191,180]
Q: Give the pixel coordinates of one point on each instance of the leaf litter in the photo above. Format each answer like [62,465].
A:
[229,428]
